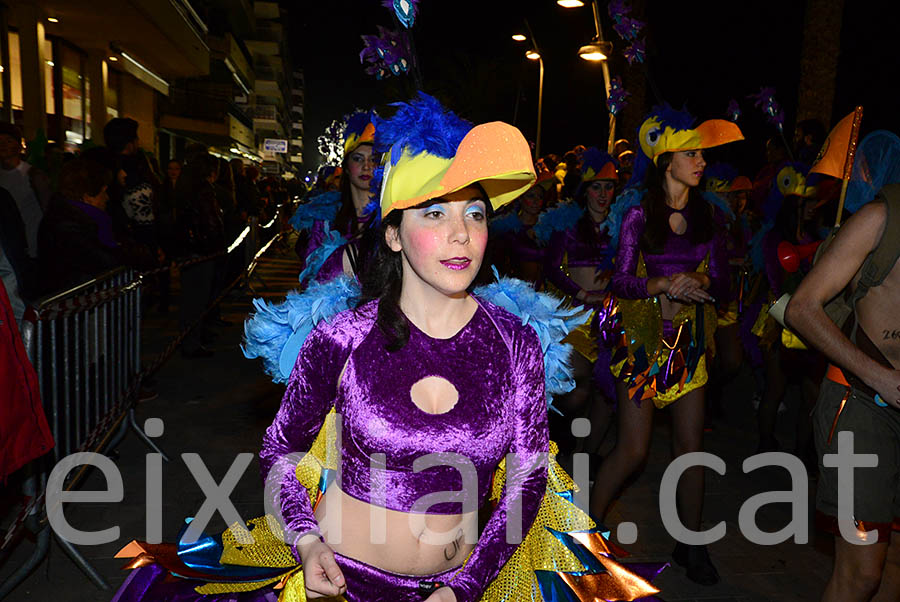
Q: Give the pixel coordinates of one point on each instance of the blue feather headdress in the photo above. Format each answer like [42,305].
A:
[419,126]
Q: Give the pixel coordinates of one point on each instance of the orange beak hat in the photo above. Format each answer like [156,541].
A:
[429,152]
[358,130]
[667,130]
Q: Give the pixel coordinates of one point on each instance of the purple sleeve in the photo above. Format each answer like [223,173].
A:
[719,269]
[316,236]
[310,394]
[624,282]
[556,250]
[526,476]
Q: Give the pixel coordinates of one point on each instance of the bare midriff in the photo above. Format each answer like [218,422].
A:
[399,542]
[588,278]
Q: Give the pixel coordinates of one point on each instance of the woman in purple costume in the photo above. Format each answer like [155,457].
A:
[514,248]
[579,263]
[670,266]
[349,218]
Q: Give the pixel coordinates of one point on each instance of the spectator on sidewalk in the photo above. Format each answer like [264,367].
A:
[29,187]
[13,254]
[204,234]
[76,238]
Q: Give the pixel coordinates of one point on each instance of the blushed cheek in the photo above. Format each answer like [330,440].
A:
[478,241]
[424,241]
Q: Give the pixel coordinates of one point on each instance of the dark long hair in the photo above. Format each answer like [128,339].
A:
[381,275]
[382,279]
[346,215]
[657,228]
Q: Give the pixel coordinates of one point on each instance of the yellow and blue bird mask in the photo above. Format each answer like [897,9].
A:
[429,152]
[667,130]
[360,129]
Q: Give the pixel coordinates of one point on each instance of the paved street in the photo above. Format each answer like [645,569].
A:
[219,407]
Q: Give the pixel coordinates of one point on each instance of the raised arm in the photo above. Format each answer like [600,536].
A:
[526,476]
[310,394]
[832,272]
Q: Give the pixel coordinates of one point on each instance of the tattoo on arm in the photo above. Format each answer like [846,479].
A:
[890,335]
[452,550]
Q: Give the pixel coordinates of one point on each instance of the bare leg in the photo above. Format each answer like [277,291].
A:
[776,382]
[889,590]
[687,425]
[601,413]
[635,425]
[857,571]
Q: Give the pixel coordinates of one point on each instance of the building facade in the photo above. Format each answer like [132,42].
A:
[215,72]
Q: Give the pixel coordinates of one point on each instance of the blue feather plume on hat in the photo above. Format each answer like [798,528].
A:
[421,125]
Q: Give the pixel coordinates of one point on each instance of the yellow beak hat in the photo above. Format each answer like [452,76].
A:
[667,130]
[429,152]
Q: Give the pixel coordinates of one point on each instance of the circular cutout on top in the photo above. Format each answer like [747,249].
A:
[678,223]
[434,395]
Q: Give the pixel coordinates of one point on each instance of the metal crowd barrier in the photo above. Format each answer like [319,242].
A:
[85,345]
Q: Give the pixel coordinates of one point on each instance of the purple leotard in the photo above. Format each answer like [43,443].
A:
[679,255]
[496,366]
[578,251]
[334,264]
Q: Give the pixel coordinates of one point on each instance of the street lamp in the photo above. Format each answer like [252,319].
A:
[533,54]
[597,51]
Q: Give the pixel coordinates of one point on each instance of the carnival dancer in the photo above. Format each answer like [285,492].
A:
[860,394]
[670,266]
[437,398]
[332,224]
[514,248]
[791,208]
[579,264]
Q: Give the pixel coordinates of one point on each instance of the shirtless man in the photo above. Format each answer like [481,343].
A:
[867,366]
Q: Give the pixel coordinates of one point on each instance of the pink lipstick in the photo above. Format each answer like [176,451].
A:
[457,263]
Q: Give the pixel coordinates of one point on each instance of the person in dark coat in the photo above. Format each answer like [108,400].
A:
[76,240]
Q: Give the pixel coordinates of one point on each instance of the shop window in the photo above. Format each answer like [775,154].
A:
[72,95]
[14,65]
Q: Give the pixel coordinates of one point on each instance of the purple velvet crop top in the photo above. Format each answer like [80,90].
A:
[679,255]
[571,245]
[495,364]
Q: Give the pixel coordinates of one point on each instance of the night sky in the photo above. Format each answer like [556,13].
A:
[700,54]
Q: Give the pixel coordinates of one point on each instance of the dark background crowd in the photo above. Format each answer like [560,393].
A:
[67,218]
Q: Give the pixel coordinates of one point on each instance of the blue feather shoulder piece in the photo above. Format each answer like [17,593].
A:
[550,321]
[505,224]
[275,332]
[717,201]
[560,218]
[630,197]
[320,208]
[315,260]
